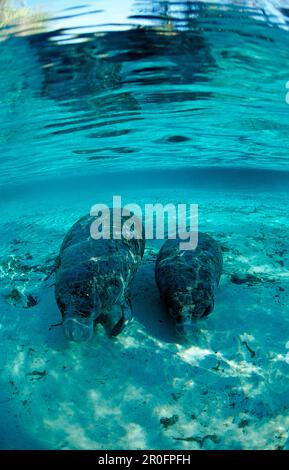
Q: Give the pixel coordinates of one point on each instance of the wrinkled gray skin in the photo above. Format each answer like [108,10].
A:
[187,279]
[93,279]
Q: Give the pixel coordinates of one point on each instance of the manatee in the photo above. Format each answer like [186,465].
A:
[187,279]
[92,282]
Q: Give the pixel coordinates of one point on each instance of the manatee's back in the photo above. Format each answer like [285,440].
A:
[85,262]
[72,275]
[78,233]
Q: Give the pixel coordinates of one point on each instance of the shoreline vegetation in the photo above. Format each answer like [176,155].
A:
[20,20]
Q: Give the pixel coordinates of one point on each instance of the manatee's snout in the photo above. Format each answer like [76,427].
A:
[78,330]
[188,306]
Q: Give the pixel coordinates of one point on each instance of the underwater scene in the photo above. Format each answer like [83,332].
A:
[137,343]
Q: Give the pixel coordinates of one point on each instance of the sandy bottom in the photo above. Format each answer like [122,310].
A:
[227,387]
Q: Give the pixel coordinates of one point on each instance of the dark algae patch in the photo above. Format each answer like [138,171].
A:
[167,422]
[200,440]
[37,374]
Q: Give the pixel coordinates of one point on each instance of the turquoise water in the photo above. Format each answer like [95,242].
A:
[194,86]
[158,102]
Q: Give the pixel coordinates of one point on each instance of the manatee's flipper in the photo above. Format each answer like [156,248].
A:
[122,314]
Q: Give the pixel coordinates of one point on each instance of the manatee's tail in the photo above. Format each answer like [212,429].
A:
[78,329]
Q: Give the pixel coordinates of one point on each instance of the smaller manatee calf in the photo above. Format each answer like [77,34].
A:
[93,277]
[187,279]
